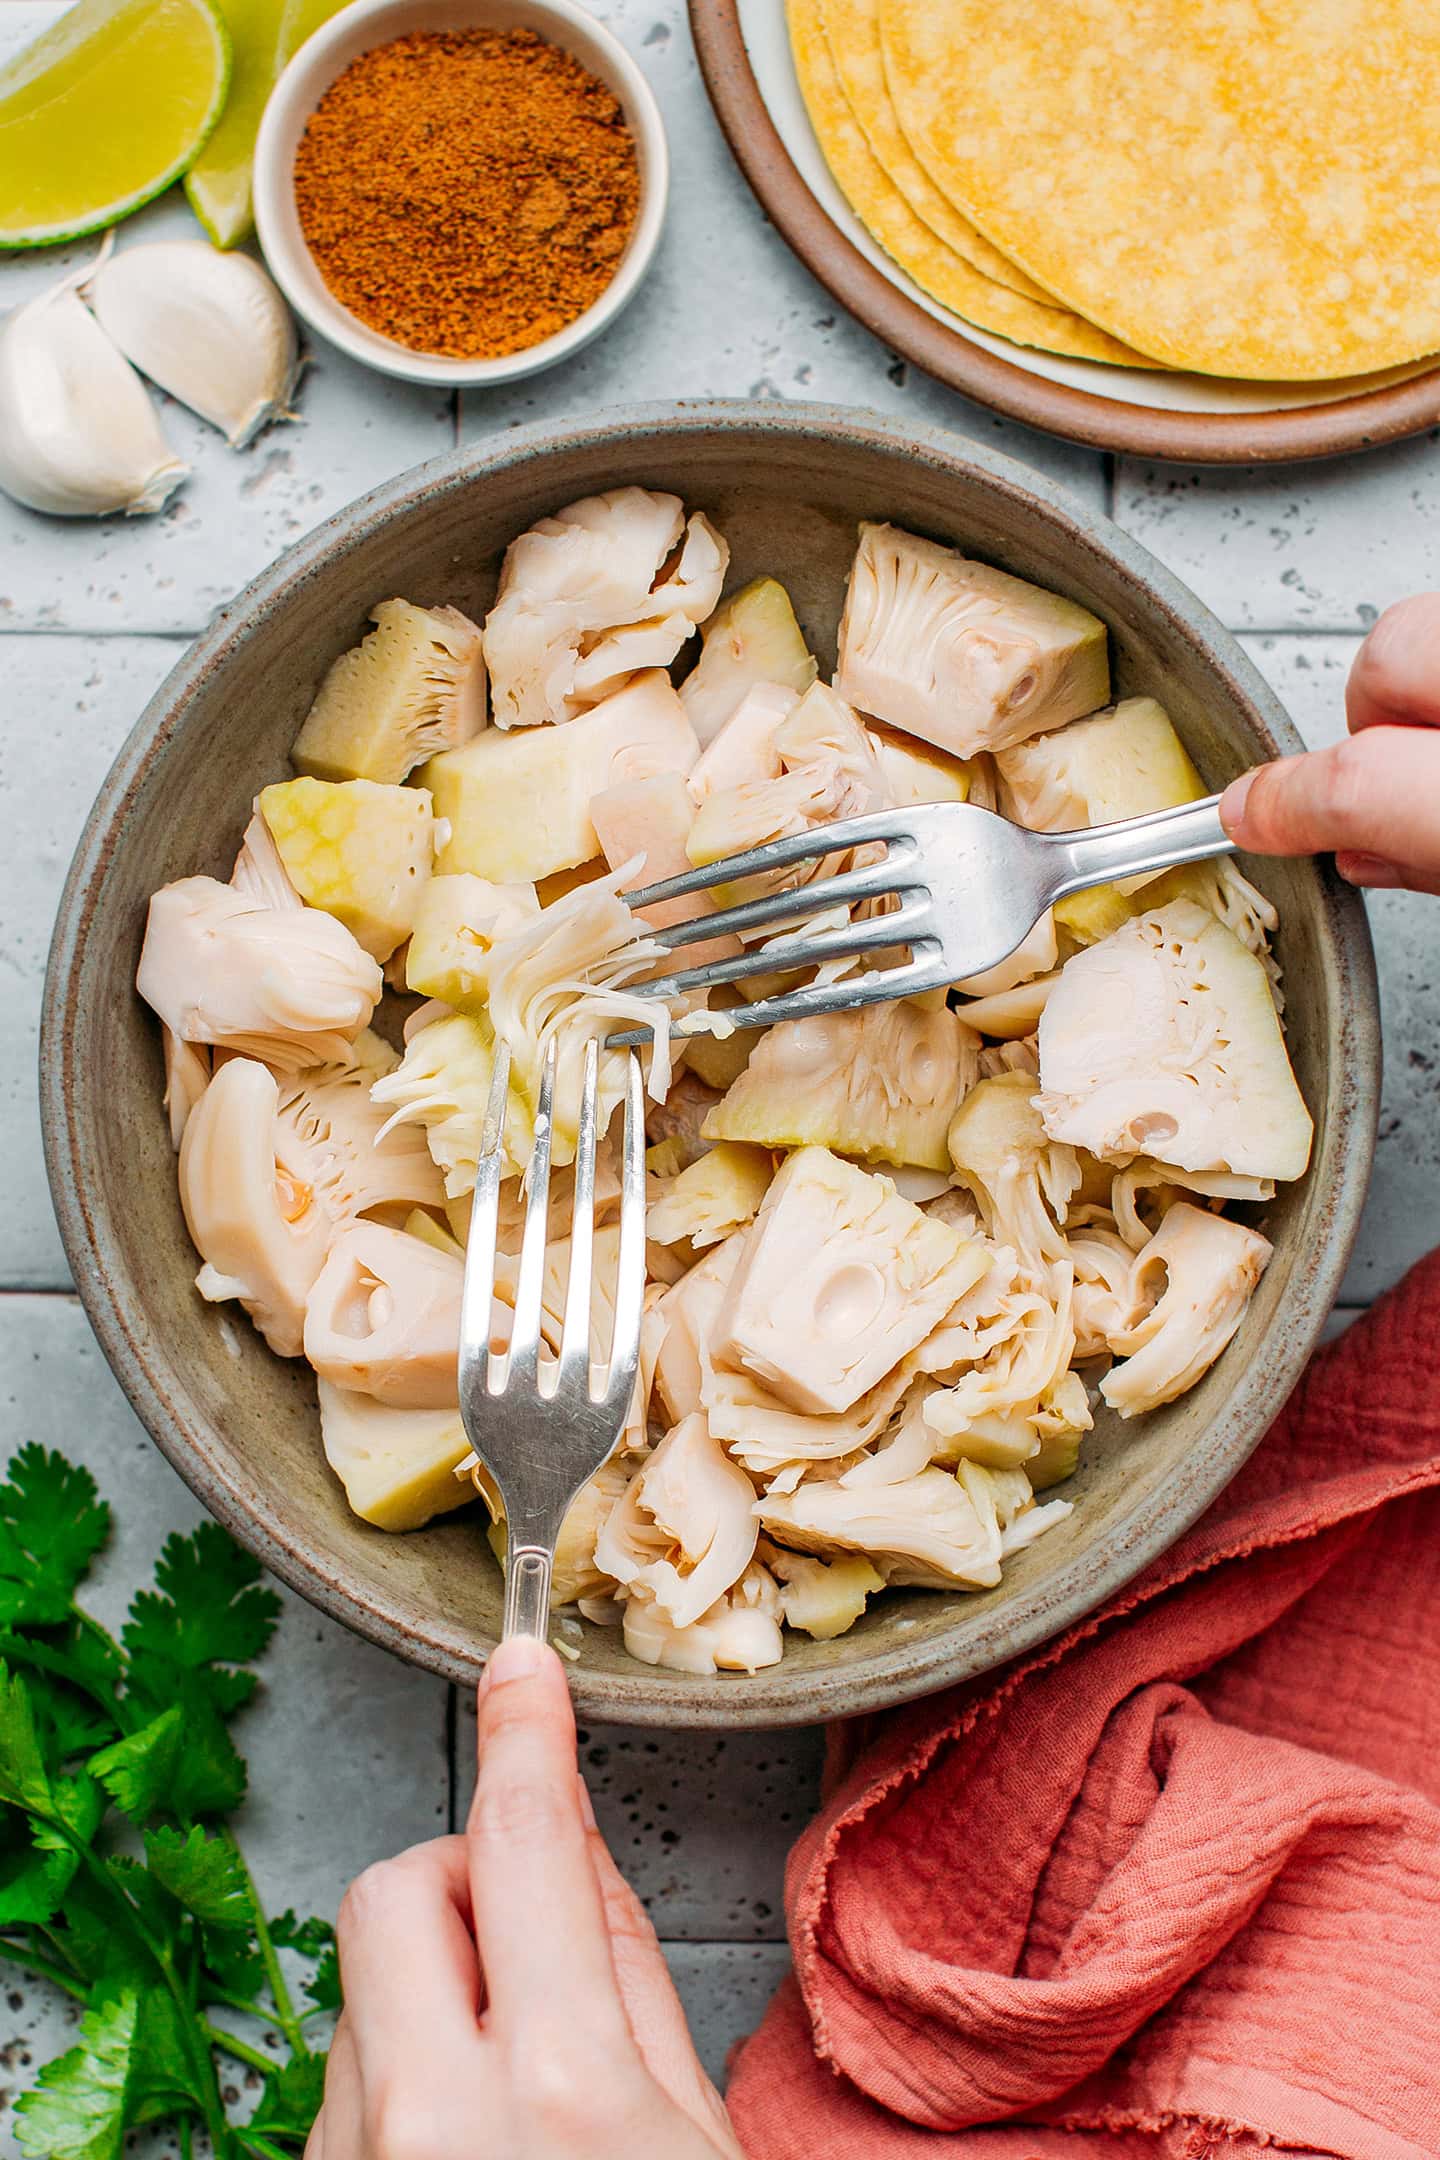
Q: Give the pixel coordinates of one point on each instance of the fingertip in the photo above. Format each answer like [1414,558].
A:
[519,1657]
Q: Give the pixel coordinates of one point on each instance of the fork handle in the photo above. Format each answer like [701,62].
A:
[528,1569]
[1191,833]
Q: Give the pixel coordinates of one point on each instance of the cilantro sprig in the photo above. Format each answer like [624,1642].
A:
[120,1882]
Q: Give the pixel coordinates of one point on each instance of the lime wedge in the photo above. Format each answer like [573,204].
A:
[264,35]
[104,110]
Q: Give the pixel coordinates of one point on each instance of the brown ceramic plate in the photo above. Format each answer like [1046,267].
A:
[744,56]
[786,483]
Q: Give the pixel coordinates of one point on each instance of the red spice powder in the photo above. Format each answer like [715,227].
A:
[467,192]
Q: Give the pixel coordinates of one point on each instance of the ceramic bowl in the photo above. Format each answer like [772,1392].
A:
[356,30]
[786,484]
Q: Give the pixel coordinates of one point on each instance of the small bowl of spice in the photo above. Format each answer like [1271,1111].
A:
[460,191]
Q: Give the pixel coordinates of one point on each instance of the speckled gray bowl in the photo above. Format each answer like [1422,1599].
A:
[786,484]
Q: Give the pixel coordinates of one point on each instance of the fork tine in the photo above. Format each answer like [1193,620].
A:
[575,1337]
[868,883]
[477,1296]
[814,845]
[811,1002]
[837,944]
[524,1360]
[624,1360]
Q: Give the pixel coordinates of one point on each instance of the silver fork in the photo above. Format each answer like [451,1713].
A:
[542,1425]
[970,887]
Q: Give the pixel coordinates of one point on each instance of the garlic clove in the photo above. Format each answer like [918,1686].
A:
[79,435]
[211,329]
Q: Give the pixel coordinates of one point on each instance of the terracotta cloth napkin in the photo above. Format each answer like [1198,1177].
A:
[1171,1886]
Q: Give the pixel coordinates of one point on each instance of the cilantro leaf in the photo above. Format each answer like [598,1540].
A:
[33,1881]
[24,1778]
[203,1873]
[76,2109]
[209,1609]
[52,1524]
[291,2099]
[309,1937]
[233,1961]
[323,1986]
[138,1772]
[162,2071]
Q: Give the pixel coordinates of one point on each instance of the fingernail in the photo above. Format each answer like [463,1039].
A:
[587,1805]
[1368,870]
[520,1657]
[1232,802]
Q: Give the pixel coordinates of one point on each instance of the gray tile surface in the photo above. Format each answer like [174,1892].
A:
[349,1747]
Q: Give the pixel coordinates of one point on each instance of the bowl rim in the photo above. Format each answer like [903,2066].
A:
[304,80]
[651,1696]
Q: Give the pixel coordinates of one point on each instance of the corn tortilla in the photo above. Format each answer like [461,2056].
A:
[880,206]
[1242,187]
[852,33]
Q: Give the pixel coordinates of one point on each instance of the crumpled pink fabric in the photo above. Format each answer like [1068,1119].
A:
[1170,1888]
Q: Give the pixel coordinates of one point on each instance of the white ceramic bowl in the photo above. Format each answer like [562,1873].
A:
[376,22]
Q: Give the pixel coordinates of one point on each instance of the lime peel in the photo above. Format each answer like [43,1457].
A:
[103,111]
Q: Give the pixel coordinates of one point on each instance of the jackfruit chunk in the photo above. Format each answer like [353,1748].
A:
[1208,1268]
[288,985]
[684,1531]
[357,849]
[1021,1179]
[838,1279]
[740,1632]
[751,638]
[916,772]
[646,823]
[1007,1015]
[719,1193]
[1163,1040]
[413,686]
[518,804]
[822,1597]
[925,1530]
[443,1084]
[575,1574]
[576,586]
[744,749]
[880,1084]
[960,654]
[397,1466]
[383,1318]
[458,919]
[1117,764]
[830,770]
[716,1058]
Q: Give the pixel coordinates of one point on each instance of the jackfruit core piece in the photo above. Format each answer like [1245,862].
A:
[880,1084]
[411,688]
[963,655]
[838,1280]
[916,772]
[1163,1040]
[1120,763]
[397,1466]
[359,849]
[458,920]
[518,803]
[751,638]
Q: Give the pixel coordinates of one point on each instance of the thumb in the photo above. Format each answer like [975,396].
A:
[1396,676]
[1376,795]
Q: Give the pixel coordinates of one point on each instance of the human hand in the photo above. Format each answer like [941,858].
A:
[1373,799]
[505,1996]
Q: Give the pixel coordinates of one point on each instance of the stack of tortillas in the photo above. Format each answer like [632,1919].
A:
[1246,188]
